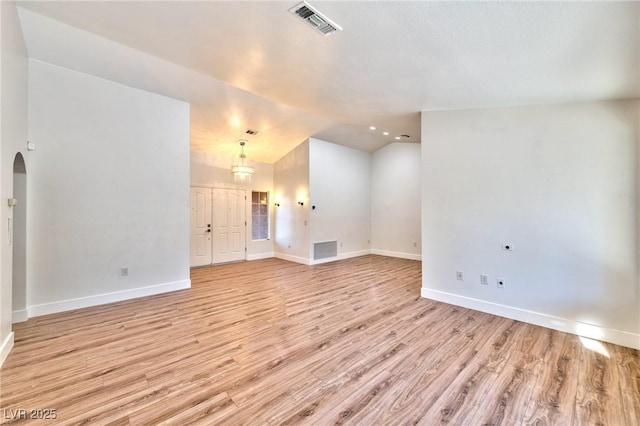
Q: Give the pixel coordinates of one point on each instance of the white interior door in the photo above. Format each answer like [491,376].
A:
[229,225]
[200,251]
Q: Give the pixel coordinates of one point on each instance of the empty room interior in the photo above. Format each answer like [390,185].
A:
[322,212]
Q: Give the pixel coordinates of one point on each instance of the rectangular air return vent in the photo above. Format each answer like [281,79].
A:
[325,250]
[317,20]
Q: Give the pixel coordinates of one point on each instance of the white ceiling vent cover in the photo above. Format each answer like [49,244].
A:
[317,20]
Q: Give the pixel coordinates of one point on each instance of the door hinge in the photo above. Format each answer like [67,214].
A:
[245,249]
[245,223]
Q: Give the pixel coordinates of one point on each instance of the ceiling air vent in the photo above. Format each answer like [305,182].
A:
[317,20]
[251,132]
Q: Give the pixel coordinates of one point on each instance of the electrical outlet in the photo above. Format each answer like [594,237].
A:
[484,279]
[124,272]
[500,283]
[507,247]
[460,275]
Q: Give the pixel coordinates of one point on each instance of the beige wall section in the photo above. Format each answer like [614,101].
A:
[13,139]
[558,183]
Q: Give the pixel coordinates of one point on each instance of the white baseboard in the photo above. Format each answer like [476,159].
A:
[290,258]
[348,255]
[610,335]
[401,255]
[101,299]
[260,256]
[19,316]
[6,347]
[319,261]
[341,256]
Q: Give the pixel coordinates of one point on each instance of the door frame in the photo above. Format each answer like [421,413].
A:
[212,188]
[18,241]
[200,244]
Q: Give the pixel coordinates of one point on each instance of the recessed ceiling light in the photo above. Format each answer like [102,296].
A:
[385,133]
[397,138]
[372,127]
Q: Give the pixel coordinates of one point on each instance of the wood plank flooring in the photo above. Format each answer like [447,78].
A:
[271,342]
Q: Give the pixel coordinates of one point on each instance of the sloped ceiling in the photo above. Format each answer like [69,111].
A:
[253,65]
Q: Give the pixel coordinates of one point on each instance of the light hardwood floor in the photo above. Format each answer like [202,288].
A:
[349,342]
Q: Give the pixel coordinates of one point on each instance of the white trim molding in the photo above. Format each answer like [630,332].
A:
[101,299]
[591,331]
[342,256]
[6,347]
[310,262]
[401,255]
[260,256]
[290,258]
[19,316]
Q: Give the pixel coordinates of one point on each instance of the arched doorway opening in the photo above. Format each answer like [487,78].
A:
[19,290]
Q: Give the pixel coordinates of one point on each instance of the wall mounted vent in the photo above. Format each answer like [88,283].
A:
[315,19]
[325,250]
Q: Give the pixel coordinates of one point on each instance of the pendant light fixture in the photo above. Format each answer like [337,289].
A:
[241,172]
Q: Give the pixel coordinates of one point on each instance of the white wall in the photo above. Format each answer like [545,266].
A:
[395,201]
[560,184]
[13,137]
[208,170]
[337,181]
[108,188]
[291,184]
[340,189]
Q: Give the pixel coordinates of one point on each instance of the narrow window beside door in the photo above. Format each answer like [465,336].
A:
[259,216]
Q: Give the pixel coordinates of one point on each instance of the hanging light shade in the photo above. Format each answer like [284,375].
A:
[241,172]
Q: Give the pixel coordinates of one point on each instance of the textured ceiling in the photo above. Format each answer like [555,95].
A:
[252,64]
